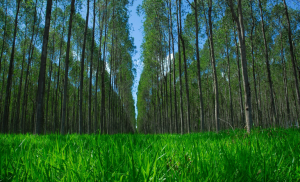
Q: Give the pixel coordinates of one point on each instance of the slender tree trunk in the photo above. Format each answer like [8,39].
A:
[10,77]
[17,116]
[41,82]
[292,52]
[253,69]
[241,33]
[170,66]
[111,70]
[67,67]
[186,74]
[285,84]
[103,77]
[273,110]
[174,73]
[4,38]
[229,84]
[216,90]
[201,118]
[56,113]
[239,75]
[179,53]
[91,72]
[97,72]
[82,69]
[49,84]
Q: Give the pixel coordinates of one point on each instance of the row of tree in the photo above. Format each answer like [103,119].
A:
[60,72]
[239,61]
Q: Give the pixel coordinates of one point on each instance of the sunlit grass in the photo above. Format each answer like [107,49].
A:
[265,155]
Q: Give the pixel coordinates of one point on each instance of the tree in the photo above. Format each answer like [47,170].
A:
[67,68]
[41,82]
[241,34]
[9,79]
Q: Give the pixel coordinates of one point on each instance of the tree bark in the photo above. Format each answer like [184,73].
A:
[4,37]
[5,120]
[97,72]
[170,66]
[273,110]
[17,116]
[179,53]
[253,70]
[67,66]
[239,75]
[186,73]
[103,77]
[292,52]
[216,90]
[91,72]
[202,126]
[41,82]
[82,69]
[241,33]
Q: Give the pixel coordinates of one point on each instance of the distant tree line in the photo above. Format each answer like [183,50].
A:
[61,72]
[222,64]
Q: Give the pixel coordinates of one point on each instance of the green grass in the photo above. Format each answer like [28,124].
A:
[265,155]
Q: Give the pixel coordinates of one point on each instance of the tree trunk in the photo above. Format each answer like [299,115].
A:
[239,75]
[273,110]
[41,82]
[170,66]
[97,73]
[10,77]
[82,69]
[253,69]
[91,72]
[67,66]
[174,73]
[241,34]
[285,84]
[103,79]
[17,116]
[292,52]
[179,53]
[4,36]
[186,74]
[201,118]
[229,84]
[216,90]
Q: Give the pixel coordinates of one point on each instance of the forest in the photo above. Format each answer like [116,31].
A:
[61,75]
[217,99]
[219,65]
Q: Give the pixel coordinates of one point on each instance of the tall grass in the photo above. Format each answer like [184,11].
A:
[265,155]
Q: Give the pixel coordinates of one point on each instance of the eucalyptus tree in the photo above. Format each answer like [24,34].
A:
[82,69]
[293,58]
[67,67]
[41,82]
[241,34]
[5,119]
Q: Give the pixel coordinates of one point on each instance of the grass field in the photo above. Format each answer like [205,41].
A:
[265,155]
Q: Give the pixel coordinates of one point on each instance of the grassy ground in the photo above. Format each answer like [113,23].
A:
[265,155]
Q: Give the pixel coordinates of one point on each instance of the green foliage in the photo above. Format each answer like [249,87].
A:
[265,155]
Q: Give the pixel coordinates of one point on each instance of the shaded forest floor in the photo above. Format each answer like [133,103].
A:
[265,155]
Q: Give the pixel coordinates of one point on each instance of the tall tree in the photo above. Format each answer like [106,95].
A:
[293,57]
[10,77]
[62,131]
[213,61]
[82,69]
[273,111]
[241,34]
[178,2]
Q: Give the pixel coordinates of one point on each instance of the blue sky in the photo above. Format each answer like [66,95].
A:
[136,32]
